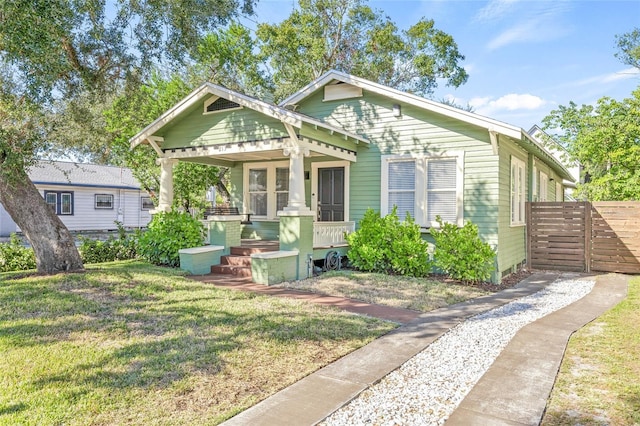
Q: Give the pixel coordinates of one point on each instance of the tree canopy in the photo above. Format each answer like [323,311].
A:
[605,137]
[68,56]
[349,36]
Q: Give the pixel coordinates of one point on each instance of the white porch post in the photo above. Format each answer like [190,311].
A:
[165,199]
[296,156]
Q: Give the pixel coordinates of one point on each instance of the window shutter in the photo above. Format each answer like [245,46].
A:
[441,190]
[401,187]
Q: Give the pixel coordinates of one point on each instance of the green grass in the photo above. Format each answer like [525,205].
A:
[128,343]
[599,380]
[421,294]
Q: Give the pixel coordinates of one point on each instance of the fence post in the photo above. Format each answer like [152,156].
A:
[588,211]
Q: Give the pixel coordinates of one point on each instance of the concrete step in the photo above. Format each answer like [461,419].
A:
[235,260]
[238,271]
[248,251]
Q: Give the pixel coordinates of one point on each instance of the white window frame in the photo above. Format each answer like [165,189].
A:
[110,197]
[149,204]
[544,187]
[559,192]
[534,185]
[517,191]
[271,167]
[421,162]
[314,184]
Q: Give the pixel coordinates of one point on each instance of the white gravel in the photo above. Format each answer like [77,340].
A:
[428,387]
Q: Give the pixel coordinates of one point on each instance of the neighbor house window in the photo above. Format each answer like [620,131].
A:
[517,191]
[104,201]
[146,203]
[60,202]
[266,188]
[424,187]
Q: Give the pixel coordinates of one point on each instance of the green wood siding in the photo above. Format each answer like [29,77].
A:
[196,129]
[511,239]
[416,131]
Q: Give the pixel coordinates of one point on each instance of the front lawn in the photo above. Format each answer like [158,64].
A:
[128,343]
[599,380]
[420,294]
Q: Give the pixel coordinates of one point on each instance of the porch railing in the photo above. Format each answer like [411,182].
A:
[327,234]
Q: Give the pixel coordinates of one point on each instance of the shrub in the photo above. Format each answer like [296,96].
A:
[387,245]
[122,248]
[167,233]
[15,257]
[461,254]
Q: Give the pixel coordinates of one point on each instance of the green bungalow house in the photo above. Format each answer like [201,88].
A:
[309,168]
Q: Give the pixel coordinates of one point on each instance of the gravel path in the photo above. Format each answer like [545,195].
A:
[429,387]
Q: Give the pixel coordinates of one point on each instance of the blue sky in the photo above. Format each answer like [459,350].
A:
[524,58]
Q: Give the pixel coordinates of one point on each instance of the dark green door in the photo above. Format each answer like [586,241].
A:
[331,194]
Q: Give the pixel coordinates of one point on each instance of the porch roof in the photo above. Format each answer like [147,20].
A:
[148,135]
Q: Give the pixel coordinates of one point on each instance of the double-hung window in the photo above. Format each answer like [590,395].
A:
[61,202]
[266,188]
[104,201]
[423,186]
[518,180]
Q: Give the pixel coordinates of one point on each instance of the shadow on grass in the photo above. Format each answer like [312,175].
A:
[145,333]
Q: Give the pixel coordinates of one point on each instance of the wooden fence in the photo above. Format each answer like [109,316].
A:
[584,236]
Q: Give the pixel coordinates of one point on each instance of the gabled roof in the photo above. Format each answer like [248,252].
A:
[84,175]
[207,89]
[491,125]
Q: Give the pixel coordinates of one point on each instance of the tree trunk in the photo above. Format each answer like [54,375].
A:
[52,242]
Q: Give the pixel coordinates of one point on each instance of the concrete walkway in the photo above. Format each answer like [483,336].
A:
[515,389]
[513,392]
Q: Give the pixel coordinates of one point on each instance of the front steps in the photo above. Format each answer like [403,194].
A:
[238,263]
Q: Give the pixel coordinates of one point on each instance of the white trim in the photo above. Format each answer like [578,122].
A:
[559,192]
[534,184]
[314,184]
[403,97]
[271,167]
[285,116]
[544,187]
[516,211]
[422,164]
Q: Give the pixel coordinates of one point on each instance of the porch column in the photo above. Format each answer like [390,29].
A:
[296,156]
[165,199]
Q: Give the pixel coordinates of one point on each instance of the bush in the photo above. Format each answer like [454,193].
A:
[122,248]
[387,245]
[167,233]
[461,254]
[15,257]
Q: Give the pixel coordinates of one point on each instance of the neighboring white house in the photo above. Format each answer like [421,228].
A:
[88,197]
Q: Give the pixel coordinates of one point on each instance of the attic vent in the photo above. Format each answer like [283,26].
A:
[220,104]
[341,90]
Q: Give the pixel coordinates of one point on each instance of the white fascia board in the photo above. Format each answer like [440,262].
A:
[407,98]
[206,89]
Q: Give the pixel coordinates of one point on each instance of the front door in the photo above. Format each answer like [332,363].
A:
[331,194]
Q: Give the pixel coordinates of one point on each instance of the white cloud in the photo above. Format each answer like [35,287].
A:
[608,78]
[510,102]
[495,10]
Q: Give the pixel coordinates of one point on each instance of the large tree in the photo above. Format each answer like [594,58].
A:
[52,50]
[605,138]
[349,36]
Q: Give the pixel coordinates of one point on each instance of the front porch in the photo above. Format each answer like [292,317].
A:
[300,241]
[288,170]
